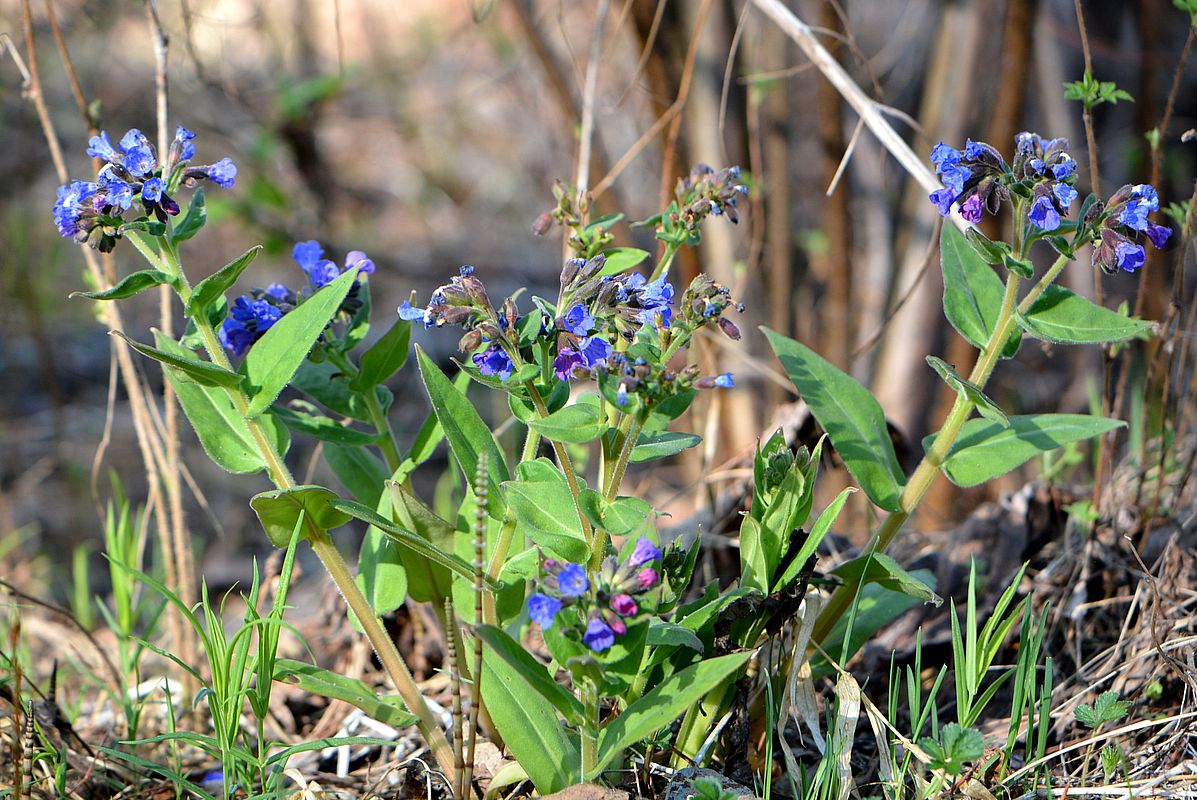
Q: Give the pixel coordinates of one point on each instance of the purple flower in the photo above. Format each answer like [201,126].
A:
[972,209]
[624,605]
[647,578]
[943,199]
[572,581]
[578,320]
[1129,256]
[357,258]
[565,362]
[598,636]
[494,362]
[543,609]
[1043,214]
[1158,234]
[323,272]
[644,552]
[725,381]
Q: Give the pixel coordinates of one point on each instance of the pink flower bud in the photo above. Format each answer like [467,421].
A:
[624,605]
[647,578]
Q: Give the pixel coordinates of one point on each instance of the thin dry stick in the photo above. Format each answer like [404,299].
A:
[64,54]
[805,38]
[587,135]
[683,92]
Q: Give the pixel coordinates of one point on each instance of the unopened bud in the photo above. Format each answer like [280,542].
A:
[542,224]
[470,342]
[729,329]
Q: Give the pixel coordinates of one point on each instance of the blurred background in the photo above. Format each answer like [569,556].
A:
[428,134]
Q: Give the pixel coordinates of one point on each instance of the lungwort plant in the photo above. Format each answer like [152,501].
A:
[594,377]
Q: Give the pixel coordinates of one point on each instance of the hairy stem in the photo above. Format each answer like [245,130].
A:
[378,417]
[566,464]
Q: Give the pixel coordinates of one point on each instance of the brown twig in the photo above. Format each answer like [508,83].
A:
[669,156]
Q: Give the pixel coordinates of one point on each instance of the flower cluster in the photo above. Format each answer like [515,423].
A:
[972,178]
[602,606]
[1121,228]
[93,211]
[706,191]
[621,329]
[255,313]
[1046,165]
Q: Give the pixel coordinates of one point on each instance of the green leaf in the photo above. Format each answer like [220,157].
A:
[851,416]
[662,445]
[875,607]
[972,292]
[667,634]
[427,581]
[310,678]
[533,672]
[986,407]
[575,424]
[384,358]
[659,707]
[528,724]
[1062,316]
[130,285]
[323,428]
[619,518]
[193,220]
[202,372]
[818,531]
[547,515]
[221,429]
[275,357]
[953,748]
[986,450]
[215,285]
[622,259]
[883,570]
[1107,708]
[360,471]
[278,511]
[413,541]
[465,430]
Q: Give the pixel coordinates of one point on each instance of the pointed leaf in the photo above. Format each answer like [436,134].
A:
[1064,317]
[310,678]
[985,407]
[817,533]
[202,372]
[130,285]
[661,445]
[279,511]
[622,259]
[216,284]
[986,450]
[532,671]
[427,581]
[851,416]
[528,724]
[323,428]
[667,634]
[384,358]
[661,706]
[193,220]
[465,430]
[883,570]
[972,292]
[275,357]
[618,518]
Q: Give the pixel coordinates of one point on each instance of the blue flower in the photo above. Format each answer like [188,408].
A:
[1043,214]
[1065,194]
[594,351]
[955,176]
[323,272]
[943,154]
[152,190]
[644,552]
[598,636]
[494,362]
[543,609]
[101,147]
[578,320]
[725,381]
[1066,167]
[655,299]
[248,319]
[73,199]
[565,362]
[306,254]
[118,193]
[943,199]
[183,141]
[139,155]
[223,173]
[412,314]
[572,582]
[1129,256]
[278,291]
[357,258]
[972,150]
[621,395]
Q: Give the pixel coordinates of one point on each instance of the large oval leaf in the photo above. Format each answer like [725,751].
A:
[985,449]
[972,292]
[851,416]
[279,511]
[1063,316]
[576,424]
[533,672]
[275,357]
[548,516]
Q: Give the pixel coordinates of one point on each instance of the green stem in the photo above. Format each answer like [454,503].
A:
[531,444]
[666,260]
[321,544]
[378,417]
[625,455]
[590,729]
[565,463]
